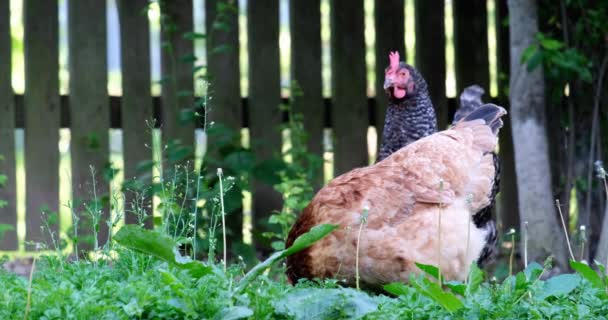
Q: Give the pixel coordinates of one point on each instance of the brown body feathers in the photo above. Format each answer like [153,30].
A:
[449,173]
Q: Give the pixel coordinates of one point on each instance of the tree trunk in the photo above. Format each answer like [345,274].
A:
[527,94]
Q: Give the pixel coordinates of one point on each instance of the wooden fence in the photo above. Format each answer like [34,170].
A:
[89,112]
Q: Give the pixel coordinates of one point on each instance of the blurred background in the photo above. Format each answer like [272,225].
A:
[253,67]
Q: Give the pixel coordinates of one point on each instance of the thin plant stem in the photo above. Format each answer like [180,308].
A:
[29,290]
[469,200]
[561,215]
[361,224]
[439,233]
[173,191]
[605,186]
[525,244]
[183,205]
[594,133]
[47,225]
[583,231]
[95,213]
[606,190]
[220,174]
[512,255]
[113,221]
[75,221]
[531,286]
[198,183]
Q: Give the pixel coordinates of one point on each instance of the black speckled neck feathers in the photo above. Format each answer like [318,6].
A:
[408,119]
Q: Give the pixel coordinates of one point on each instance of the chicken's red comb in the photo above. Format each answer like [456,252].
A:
[393,57]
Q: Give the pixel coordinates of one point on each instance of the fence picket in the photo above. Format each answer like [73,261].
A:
[471,54]
[430,53]
[264,101]
[350,110]
[507,208]
[8,211]
[389,37]
[136,103]
[223,70]
[178,79]
[305,20]
[89,109]
[41,104]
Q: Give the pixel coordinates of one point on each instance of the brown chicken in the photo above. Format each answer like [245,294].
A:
[449,173]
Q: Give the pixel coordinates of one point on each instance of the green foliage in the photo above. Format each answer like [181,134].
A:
[297,178]
[139,284]
[589,274]
[4,228]
[434,291]
[559,61]
[318,303]
[560,286]
[159,246]
[3,203]
[304,241]
[147,278]
[571,44]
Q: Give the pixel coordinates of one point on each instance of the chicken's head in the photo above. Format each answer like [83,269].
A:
[399,77]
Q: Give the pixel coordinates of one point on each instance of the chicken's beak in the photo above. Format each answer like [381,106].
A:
[387,83]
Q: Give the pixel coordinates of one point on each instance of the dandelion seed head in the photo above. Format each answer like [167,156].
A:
[599,169]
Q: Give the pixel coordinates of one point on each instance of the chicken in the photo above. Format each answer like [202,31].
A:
[449,173]
[470,100]
[410,114]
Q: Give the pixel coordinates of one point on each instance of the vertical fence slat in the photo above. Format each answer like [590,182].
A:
[223,70]
[89,109]
[41,104]
[501,14]
[507,209]
[136,100]
[8,213]
[430,53]
[305,20]
[350,113]
[470,44]
[264,101]
[177,73]
[390,36]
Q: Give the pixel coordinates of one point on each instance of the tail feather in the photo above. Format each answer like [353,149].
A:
[490,113]
[470,100]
